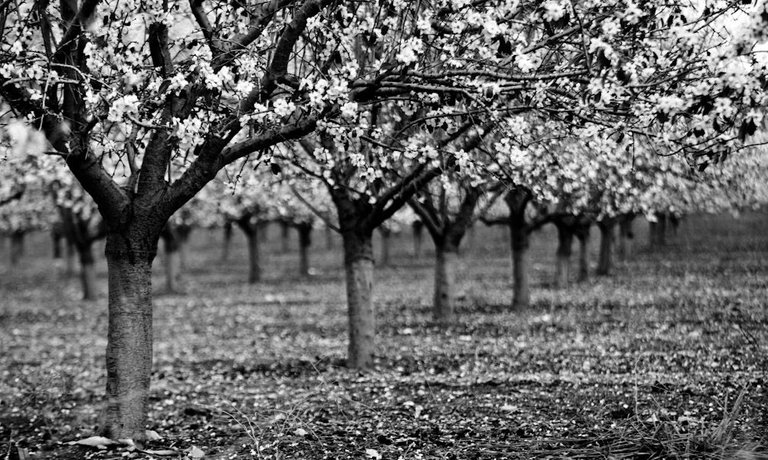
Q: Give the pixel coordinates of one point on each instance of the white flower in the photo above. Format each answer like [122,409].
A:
[283,108]
[349,110]
[410,51]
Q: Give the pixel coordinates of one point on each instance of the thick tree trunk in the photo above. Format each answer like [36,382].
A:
[17,247]
[564,249]
[87,270]
[418,235]
[358,266]
[385,246]
[444,300]
[604,262]
[129,340]
[227,242]
[305,241]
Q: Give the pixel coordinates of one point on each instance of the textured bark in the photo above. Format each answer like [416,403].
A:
[129,340]
[444,300]
[17,247]
[564,249]
[358,266]
[385,246]
[604,262]
[418,235]
[87,270]
[305,241]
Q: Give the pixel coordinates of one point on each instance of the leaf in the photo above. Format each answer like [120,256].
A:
[194,452]
[100,442]
[152,435]
[372,453]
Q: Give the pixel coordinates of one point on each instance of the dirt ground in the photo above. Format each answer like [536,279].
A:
[666,358]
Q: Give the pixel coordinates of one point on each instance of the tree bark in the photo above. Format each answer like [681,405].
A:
[418,235]
[517,200]
[87,270]
[625,236]
[227,242]
[17,247]
[172,259]
[129,340]
[564,249]
[358,267]
[604,262]
[305,241]
[444,300]
[385,246]
[583,236]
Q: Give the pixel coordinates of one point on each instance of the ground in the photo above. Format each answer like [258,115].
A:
[664,359]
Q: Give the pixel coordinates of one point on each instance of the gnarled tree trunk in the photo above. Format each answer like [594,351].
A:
[604,262]
[564,248]
[129,340]
[358,267]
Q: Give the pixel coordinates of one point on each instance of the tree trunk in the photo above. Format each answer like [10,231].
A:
[604,263]
[129,340]
[653,235]
[305,241]
[625,236]
[385,245]
[254,265]
[184,231]
[173,263]
[444,301]
[583,237]
[418,235]
[57,235]
[517,200]
[564,247]
[227,241]
[17,247]
[358,266]
[661,228]
[285,236]
[87,270]
[69,254]
[329,244]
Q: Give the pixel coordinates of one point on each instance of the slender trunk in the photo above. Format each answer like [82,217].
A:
[674,222]
[184,232]
[173,264]
[520,240]
[563,268]
[653,235]
[17,247]
[444,301]
[582,233]
[662,229]
[418,235]
[227,241]
[254,265]
[604,263]
[129,340]
[56,237]
[305,241]
[69,254]
[87,270]
[625,236]
[385,245]
[285,236]
[358,267]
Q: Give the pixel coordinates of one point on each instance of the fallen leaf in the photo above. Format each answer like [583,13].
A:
[194,452]
[152,435]
[373,453]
